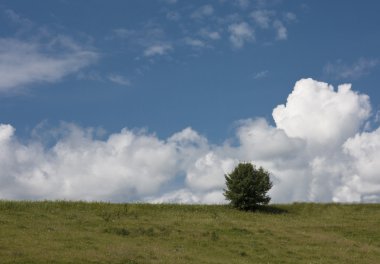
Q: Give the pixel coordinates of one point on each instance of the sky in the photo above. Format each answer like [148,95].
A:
[155,101]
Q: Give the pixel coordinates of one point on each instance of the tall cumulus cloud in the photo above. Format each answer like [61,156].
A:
[316,150]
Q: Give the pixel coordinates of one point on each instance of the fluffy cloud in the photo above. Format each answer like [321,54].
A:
[316,150]
[363,183]
[205,173]
[126,166]
[28,62]
[322,116]
[240,33]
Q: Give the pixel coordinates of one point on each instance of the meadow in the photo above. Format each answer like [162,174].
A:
[80,232]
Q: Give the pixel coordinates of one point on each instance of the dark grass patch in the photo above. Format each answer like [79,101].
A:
[121,231]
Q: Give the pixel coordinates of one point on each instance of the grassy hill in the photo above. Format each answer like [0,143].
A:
[78,232]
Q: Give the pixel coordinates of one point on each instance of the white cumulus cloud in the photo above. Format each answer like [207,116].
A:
[363,183]
[127,165]
[316,150]
[324,117]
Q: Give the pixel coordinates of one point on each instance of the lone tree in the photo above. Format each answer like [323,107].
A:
[247,186]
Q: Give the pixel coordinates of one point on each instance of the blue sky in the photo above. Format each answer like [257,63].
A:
[215,68]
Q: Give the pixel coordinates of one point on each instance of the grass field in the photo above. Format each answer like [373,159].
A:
[79,232]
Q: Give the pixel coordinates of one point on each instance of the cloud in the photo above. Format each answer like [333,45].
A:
[358,69]
[377,116]
[263,17]
[122,32]
[203,11]
[157,49]
[243,4]
[281,31]
[316,150]
[186,196]
[267,19]
[125,166]
[205,173]
[196,43]
[260,75]
[118,79]
[170,1]
[183,196]
[240,33]
[34,54]
[324,117]
[290,17]
[364,183]
[150,39]
[310,150]
[214,35]
[90,75]
[29,62]
[18,20]
[145,36]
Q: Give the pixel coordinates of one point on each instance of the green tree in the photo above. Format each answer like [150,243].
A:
[247,186]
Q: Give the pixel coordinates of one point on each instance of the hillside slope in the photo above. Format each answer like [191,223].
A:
[79,232]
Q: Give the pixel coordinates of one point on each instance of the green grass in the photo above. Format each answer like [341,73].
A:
[79,232]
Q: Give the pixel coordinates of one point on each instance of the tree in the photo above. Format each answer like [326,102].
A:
[247,186]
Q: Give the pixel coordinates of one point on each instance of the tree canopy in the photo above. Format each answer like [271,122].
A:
[247,186]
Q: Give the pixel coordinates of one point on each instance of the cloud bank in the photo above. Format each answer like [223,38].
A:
[316,150]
